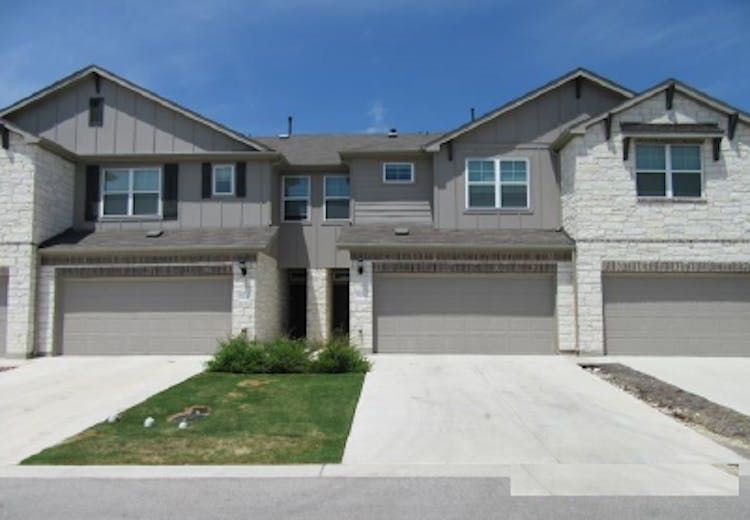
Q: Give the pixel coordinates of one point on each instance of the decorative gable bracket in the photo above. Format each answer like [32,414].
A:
[732,121]
[625,148]
[717,148]
[608,126]
[670,96]
[5,135]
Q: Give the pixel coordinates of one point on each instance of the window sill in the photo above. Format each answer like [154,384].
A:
[507,211]
[336,223]
[675,200]
[131,218]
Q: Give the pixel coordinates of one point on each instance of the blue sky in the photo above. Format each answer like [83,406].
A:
[367,65]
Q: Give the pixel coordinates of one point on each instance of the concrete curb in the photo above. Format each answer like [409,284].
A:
[525,479]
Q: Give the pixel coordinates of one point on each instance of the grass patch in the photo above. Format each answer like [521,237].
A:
[260,419]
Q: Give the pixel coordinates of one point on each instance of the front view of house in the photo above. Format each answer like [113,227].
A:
[580,217]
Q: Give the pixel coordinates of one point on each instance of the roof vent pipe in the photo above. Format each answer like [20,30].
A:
[289,126]
[392,133]
[473,116]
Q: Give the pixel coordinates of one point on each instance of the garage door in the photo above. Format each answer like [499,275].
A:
[3,313]
[688,315]
[477,314]
[145,315]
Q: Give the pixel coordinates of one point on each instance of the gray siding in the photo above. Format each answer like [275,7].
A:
[308,244]
[132,123]
[193,211]
[524,132]
[3,312]
[378,202]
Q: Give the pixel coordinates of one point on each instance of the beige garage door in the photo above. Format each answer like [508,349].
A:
[3,313]
[688,315]
[465,314]
[144,315]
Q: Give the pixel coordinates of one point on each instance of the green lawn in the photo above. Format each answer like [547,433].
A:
[263,419]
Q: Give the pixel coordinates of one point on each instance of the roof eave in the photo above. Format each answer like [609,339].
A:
[57,251]
[444,246]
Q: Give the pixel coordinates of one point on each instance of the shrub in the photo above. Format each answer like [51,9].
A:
[239,355]
[339,356]
[287,356]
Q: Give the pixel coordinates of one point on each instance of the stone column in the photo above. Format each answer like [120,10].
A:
[243,299]
[589,302]
[319,304]
[21,304]
[566,308]
[46,311]
[268,298]
[361,306]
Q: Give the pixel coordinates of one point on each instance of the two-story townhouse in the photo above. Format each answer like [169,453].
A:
[577,217]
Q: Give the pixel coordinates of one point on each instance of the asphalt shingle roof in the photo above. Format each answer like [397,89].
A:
[384,236]
[241,239]
[324,149]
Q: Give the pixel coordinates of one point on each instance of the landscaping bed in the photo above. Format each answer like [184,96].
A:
[725,424]
[229,419]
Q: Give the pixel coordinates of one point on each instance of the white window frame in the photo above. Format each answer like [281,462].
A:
[130,192]
[284,198]
[215,193]
[327,197]
[498,183]
[393,163]
[669,171]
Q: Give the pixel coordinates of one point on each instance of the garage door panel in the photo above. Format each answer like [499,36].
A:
[677,314]
[145,316]
[481,314]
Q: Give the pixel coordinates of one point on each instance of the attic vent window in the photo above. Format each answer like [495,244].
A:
[96,111]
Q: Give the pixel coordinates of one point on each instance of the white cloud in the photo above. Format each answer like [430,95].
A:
[376,113]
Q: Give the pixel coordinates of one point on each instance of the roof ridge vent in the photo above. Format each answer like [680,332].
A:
[392,133]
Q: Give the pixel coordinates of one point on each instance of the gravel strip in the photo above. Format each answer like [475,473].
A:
[726,423]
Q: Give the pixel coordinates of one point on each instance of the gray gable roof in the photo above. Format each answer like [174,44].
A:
[326,149]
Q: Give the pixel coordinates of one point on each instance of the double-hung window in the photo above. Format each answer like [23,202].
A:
[295,198]
[398,173]
[497,183]
[668,170]
[223,179]
[336,195]
[131,192]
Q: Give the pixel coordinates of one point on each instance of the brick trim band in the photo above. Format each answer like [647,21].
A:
[145,271]
[152,259]
[675,267]
[462,267]
[438,256]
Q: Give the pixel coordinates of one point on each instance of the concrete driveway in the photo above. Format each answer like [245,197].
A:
[509,410]
[46,400]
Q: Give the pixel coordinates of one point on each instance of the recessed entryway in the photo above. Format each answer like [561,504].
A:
[465,314]
[677,314]
[138,315]
[296,304]
[340,319]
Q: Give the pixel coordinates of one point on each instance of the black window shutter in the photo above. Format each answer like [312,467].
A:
[91,210]
[206,180]
[240,181]
[169,191]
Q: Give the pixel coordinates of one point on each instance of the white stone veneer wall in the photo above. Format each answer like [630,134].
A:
[601,211]
[319,304]
[268,298]
[20,259]
[361,306]
[244,290]
[565,306]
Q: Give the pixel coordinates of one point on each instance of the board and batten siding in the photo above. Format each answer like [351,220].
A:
[312,244]
[376,202]
[132,123]
[525,132]
[193,211]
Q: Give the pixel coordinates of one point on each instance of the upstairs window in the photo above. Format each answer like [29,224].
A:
[223,179]
[497,183]
[668,170]
[96,111]
[336,195]
[295,195]
[398,173]
[131,192]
